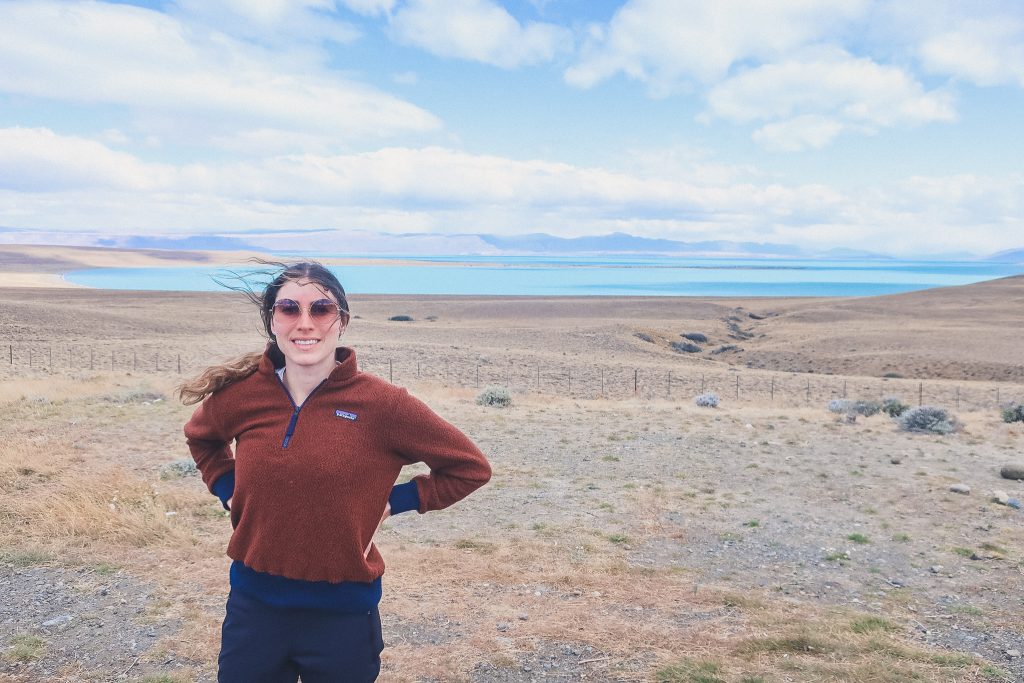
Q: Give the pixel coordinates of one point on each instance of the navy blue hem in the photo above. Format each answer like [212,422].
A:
[347,597]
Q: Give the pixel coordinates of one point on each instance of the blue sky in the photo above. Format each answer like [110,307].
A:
[889,126]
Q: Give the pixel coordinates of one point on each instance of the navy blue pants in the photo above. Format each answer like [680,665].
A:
[265,644]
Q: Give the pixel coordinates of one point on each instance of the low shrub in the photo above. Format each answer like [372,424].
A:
[695,337]
[401,318]
[928,419]
[643,336]
[840,405]
[179,468]
[866,408]
[685,347]
[1013,413]
[724,348]
[708,400]
[893,407]
[497,397]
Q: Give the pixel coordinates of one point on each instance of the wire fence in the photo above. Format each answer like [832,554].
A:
[526,375]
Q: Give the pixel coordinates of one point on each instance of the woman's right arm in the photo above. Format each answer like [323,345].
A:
[210,445]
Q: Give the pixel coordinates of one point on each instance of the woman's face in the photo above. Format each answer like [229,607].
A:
[307,324]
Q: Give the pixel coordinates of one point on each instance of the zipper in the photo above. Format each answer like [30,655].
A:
[295,409]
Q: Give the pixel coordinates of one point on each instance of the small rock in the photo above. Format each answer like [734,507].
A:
[935,568]
[1000,497]
[503,626]
[523,616]
[895,460]
[1013,654]
[1014,503]
[57,621]
[1012,471]
[960,488]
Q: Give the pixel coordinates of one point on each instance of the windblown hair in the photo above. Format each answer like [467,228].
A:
[277,274]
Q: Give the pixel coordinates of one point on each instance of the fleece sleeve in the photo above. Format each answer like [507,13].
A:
[457,467]
[210,446]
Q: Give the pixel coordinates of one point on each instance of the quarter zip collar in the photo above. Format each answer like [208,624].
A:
[345,370]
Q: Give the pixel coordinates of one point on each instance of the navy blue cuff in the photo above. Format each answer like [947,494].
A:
[224,488]
[404,497]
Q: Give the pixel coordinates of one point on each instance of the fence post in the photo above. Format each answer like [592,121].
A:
[702,382]
[958,398]
[602,383]
[179,363]
[538,376]
[808,391]
[997,396]
[30,356]
[636,381]
[391,372]
[920,393]
[773,390]
[568,377]
[844,388]
[668,393]
[111,360]
[737,387]
[156,362]
[49,356]
[417,369]
[10,349]
[92,359]
[135,361]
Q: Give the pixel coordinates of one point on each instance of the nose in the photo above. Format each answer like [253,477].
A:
[305,319]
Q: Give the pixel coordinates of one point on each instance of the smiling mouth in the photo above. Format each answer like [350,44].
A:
[305,342]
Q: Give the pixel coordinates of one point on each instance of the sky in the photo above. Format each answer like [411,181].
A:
[892,126]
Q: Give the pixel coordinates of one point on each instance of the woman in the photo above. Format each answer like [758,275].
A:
[318,446]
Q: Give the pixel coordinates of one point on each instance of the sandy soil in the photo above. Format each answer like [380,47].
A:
[627,537]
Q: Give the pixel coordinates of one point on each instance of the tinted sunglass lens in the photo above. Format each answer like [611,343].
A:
[322,309]
[287,309]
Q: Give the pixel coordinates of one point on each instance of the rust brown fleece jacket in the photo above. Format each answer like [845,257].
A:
[306,506]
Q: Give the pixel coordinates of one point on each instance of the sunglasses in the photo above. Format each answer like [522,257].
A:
[320,311]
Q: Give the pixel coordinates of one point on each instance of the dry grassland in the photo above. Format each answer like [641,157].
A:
[621,539]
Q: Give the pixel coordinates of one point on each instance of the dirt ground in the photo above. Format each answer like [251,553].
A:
[634,537]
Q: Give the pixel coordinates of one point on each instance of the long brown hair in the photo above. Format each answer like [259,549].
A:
[216,377]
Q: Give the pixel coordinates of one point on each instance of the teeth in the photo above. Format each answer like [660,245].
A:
[305,342]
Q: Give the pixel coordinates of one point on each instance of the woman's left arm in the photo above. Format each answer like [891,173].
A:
[457,467]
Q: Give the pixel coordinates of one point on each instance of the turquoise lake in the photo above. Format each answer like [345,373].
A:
[598,276]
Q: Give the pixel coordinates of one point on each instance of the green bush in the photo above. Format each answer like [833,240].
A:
[1013,413]
[498,397]
[893,407]
[401,318]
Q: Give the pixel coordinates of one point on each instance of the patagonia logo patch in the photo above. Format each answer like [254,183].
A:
[345,414]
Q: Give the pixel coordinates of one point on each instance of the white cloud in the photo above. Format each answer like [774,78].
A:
[986,52]
[370,7]
[38,160]
[809,102]
[477,30]
[274,22]
[192,85]
[668,43]
[60,182]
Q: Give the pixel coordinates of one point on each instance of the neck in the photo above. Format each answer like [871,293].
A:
[301,380]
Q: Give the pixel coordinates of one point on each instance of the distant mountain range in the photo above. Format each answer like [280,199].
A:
[365,243]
